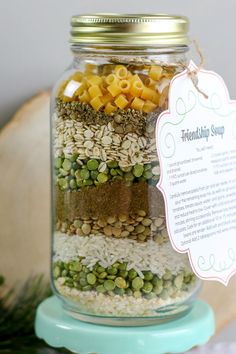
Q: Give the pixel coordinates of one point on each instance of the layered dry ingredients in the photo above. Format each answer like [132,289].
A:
[112,255]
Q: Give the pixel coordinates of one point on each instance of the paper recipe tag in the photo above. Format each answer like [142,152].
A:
[196,143]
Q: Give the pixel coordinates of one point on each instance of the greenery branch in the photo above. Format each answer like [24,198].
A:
[17,314]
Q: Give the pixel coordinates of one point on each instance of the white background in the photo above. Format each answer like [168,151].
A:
[34,49]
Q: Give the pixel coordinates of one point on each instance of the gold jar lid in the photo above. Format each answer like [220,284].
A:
[138,29]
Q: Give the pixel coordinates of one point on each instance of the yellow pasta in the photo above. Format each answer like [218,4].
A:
[114,89]
[103,88]
[103,77]
[124,86]
[149,106]
[121,101]
[155,72]
[149,82]
[85,98]
[129,76]
[110,108]
[148,93]
[80,90]
[110,79]
[121,72]
[136,88]
[142,77]
[135,78]
[95,91]
[164,98]
[94,80]
[61,88]
[78,76]
[67,99]
[137,104]
[90,68]
[96,103]
[85,82]
[107,98]
[130,97]
[156,97]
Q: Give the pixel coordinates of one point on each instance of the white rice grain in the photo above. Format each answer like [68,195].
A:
[148,256]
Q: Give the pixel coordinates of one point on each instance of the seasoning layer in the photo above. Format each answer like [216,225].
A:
[112,254]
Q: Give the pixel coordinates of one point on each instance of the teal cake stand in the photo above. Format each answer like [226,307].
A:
[59,330]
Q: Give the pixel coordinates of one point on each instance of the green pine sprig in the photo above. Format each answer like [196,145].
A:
[17,315]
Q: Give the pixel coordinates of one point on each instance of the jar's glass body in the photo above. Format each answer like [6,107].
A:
[112,260]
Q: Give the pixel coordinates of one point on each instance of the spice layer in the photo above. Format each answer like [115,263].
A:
[112,255]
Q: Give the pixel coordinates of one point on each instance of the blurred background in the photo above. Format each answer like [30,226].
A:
[34,53]
[34,39]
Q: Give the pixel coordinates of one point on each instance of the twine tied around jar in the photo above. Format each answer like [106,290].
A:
[193,74]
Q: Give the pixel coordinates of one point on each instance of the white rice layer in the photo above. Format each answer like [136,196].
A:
[147,256]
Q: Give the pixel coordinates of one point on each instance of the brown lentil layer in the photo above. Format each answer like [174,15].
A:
[111,199]
[134,227]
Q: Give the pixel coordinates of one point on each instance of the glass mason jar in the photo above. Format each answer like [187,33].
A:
[112,261]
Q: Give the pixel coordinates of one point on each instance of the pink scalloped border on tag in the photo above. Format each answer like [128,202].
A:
[196,144]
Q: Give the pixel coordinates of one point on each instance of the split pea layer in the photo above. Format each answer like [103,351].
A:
[106,200]
[116,279]
[93,172]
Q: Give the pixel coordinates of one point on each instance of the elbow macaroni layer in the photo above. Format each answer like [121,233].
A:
[117,88]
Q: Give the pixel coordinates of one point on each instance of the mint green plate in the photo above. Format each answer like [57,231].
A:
[59,330]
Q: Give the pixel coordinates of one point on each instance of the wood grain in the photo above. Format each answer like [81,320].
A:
[24,191]
[25,204]
[222,299]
